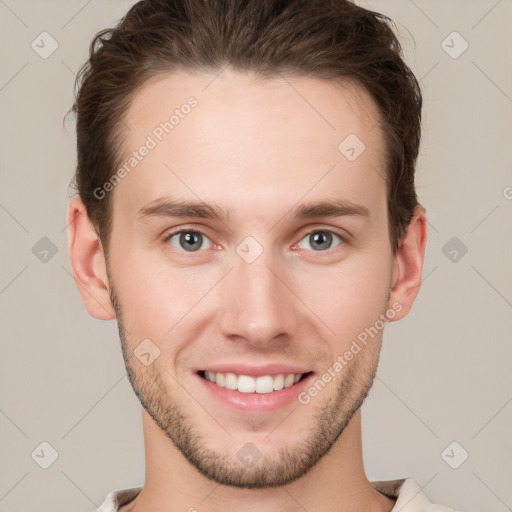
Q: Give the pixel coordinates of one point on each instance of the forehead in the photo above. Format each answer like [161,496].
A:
[274,140]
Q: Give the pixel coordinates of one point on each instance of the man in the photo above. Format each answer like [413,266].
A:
[247,213]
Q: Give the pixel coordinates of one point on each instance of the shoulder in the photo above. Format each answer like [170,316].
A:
[115,501]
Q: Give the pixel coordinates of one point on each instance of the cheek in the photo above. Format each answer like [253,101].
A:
[349,297]
[155,295]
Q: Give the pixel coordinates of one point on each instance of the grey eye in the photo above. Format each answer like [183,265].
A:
[319,240]
[189,241]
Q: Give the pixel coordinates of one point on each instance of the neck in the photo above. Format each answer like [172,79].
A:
[337,483]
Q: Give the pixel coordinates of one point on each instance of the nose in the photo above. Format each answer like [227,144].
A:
[258,304]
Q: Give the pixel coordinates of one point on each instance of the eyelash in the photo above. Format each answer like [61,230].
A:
[343,240]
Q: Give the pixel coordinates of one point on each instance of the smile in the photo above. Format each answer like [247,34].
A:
[248,384]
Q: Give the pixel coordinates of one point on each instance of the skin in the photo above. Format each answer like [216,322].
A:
[250,143]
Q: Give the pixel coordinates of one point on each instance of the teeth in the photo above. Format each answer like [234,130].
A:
[278,382]
[264,384]
[288,380]
[231,381]
[221,380]
[248,384]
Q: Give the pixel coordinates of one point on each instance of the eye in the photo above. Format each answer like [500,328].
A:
[187,240]
[319,240]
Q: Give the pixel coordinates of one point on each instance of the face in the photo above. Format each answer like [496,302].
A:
[248,245]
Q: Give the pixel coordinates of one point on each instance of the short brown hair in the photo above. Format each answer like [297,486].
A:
[327,39]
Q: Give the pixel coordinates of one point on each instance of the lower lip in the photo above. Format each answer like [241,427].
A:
[256,402]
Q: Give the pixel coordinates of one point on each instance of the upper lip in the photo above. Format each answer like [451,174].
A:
[255,371]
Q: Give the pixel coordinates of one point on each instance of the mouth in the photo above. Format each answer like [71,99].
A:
[263,384]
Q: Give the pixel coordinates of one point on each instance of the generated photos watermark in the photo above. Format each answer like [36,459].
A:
[152,140]
[342,360]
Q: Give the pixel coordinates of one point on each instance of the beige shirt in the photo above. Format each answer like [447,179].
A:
[407,492]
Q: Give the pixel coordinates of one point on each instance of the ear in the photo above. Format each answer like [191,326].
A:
[408,265]
[87,259]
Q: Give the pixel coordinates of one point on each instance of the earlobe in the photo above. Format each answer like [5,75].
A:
[87,259]
[408,264]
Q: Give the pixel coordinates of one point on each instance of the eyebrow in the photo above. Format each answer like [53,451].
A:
[166,207]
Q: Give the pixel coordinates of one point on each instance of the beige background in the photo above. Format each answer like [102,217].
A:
[445,370]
